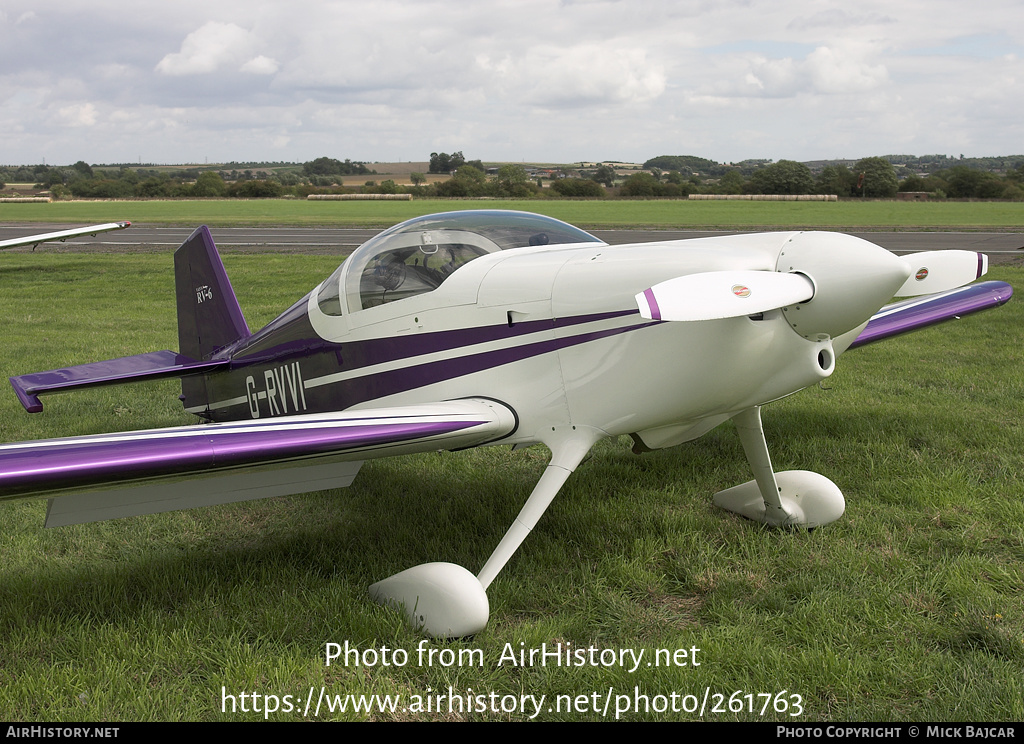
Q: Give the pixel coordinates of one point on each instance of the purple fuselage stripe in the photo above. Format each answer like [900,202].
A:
[381,384]
[356,354]
[79,463]
[330,359]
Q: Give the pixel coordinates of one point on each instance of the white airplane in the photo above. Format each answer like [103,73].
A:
[62,235]
[484,328]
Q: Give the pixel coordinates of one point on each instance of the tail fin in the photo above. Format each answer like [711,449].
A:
[209,317]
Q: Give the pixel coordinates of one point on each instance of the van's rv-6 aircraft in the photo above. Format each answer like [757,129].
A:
[491,327]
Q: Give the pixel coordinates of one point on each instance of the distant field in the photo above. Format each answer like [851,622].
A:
[668,214]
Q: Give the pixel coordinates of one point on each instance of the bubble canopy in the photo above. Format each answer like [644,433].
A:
[416,256]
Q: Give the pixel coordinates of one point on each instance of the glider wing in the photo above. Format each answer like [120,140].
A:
[62,235]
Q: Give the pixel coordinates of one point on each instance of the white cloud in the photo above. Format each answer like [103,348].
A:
[26,17]
[580,75]
[546,79]
[838,19]
[828,70]
[78,115]
[261,66]
[840,70]
[211,47]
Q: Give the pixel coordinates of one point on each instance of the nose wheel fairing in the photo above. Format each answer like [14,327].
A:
[794,498]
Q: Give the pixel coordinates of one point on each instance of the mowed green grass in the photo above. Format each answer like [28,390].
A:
[910,607]
[610,213]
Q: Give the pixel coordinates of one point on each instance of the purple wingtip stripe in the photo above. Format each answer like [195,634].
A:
[84,462]
[981,266]
[912,315]
[653,304]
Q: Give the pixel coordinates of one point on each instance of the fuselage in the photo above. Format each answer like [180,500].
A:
[554,332]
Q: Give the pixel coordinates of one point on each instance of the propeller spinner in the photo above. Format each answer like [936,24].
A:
[826,284]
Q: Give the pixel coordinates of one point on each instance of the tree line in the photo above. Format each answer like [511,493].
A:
[874,177]
[665,176]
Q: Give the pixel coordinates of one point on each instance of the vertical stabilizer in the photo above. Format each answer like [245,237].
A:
[209,317]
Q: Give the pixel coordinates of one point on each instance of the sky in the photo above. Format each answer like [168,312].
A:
[152,81]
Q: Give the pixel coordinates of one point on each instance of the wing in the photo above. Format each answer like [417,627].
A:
[62,235]
[142,472]
[922,312]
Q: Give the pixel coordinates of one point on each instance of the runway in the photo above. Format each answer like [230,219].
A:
[1002,248]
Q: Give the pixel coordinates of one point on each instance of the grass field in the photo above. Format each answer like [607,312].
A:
[910,607]
[611,213]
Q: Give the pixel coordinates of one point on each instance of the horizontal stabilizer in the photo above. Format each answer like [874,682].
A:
[922,312]
[62,235]
[937,271]
[155,365]
[723,294]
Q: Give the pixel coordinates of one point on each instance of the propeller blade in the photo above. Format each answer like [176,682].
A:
[723,294]
[937,271]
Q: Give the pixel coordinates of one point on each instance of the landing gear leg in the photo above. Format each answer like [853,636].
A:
[445,600]
[793,498]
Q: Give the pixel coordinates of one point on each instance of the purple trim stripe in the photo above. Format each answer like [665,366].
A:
[382,384]
[922,312]
[652,303]
[87,461]
[356,354]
